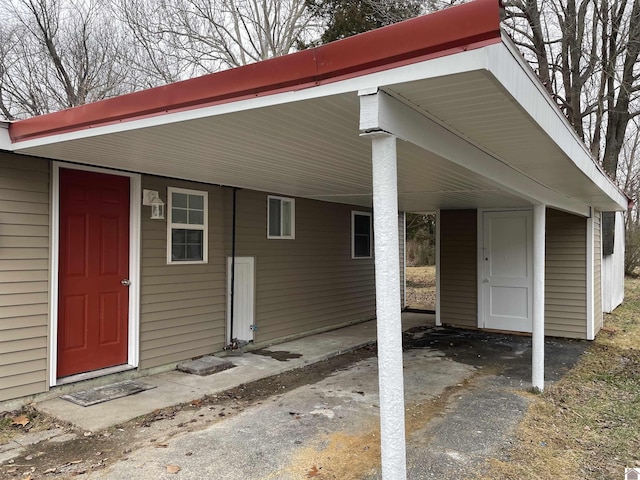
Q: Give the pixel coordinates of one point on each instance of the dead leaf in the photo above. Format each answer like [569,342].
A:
[21,420]
[171,468]
[196,403]
[28,477]
[313,472]
[162,445]
[50,470]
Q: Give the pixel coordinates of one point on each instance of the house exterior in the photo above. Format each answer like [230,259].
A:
[282,173]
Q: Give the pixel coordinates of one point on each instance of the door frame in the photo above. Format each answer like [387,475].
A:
[228,334]
[480,255]
[135,194]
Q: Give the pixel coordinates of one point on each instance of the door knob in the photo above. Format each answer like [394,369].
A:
[125,282]
[486,280]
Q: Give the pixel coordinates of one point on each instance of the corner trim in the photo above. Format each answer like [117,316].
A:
[590,277]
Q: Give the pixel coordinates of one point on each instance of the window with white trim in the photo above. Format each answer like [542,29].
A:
[281,217]
[360,234]
[187,226]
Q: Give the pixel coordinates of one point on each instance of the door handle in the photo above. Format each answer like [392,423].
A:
[486,280]
[125,282]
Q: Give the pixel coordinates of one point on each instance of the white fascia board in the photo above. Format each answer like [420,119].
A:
[383,113]
[509,68]
[5,140]
[432,68]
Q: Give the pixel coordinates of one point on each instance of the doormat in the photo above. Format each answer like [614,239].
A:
[105,393]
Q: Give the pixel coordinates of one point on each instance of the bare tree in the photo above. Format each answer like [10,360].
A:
[181,38]
[57,54]
[586,54]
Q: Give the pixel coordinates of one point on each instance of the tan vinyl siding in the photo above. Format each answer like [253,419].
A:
[458,267]
[310,282]
[182,307]
[24,275]
[304,284]
[597,272]
[565,275]
[401,236]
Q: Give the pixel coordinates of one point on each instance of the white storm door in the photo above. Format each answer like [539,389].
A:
[507,264]
[243,299]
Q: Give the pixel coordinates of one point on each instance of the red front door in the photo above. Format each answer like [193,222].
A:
[93,262]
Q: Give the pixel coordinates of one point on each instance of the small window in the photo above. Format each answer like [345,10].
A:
[281,217]
[187,226]
[360,235]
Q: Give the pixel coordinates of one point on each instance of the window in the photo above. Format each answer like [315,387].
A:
[187,226]
[281,217]
[360,235]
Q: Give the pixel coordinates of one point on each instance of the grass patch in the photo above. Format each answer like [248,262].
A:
[421,286]
[588,424]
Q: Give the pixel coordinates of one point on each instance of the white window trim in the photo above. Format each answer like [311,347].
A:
[353,236]
[204,227]
[292,201]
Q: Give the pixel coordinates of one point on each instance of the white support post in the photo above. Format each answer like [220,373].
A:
[389,323]
[537,356]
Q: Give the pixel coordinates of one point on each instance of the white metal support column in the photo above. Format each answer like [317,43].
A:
[388,309]
[537,356]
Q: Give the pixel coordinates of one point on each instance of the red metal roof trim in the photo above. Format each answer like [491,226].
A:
[464,27]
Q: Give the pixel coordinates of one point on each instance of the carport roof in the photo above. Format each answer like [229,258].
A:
[491,135]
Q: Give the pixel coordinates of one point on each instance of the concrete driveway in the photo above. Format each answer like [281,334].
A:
[465,394]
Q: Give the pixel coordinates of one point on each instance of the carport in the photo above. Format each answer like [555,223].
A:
[437,113]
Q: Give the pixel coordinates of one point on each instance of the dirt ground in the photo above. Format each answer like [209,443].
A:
[89,451]
[421,287]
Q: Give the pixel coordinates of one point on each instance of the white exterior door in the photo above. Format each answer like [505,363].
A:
[243,299]
[507,276]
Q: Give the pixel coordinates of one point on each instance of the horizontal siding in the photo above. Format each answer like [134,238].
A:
[182,307]
[597,272]
[565,275]
[310,282]
[458,267]
[24,275]
[303,284]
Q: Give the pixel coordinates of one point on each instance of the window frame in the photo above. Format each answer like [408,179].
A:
[185,226]
[290,200]
[353,234]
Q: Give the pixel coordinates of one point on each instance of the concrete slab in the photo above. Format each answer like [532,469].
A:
[174,388]
[205,366]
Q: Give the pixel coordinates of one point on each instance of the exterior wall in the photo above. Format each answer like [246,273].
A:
[182,307]
[24,275]
[565,275]
[308,283]
[597,272]
[458,267]
[305,284]
[613,269]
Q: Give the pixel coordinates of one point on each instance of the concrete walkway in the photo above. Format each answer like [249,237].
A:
[174,387]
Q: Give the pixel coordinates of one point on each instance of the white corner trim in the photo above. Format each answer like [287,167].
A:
[135,192]
[438,289]
[591,319]
[404,264]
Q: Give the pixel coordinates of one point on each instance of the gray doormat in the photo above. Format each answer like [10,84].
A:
[105,393]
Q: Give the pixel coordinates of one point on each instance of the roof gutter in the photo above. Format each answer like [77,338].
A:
[456,29]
